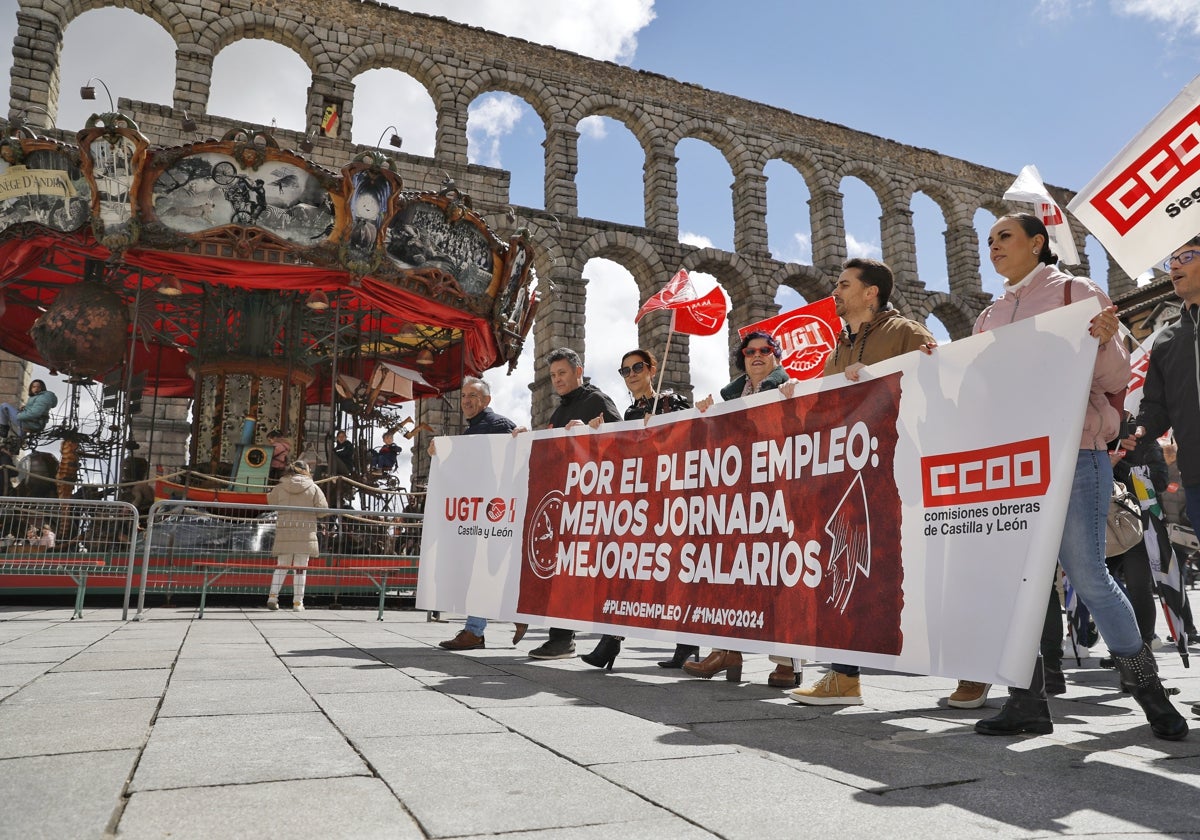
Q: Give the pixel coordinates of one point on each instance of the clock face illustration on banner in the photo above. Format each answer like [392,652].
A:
[541,537]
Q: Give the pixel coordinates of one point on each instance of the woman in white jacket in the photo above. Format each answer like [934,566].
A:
[295,530]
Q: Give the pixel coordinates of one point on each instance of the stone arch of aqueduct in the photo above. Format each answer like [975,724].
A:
[340,39]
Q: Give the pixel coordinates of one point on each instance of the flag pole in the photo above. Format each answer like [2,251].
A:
[662,366]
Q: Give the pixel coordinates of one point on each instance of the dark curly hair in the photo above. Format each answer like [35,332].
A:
[739,361]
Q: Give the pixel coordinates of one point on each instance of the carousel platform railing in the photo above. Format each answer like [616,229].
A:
[206,547]
[46,542]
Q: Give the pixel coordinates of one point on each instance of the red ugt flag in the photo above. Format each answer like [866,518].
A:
[689,314]
[807,335]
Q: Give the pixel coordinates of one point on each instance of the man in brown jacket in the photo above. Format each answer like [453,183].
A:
[873,332]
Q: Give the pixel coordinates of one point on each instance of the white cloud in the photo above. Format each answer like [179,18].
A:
[612,304]
[603,29]
[593,127]
[1056,10]
[799,249]
[696,240]
[511,396]
[1177,13]
[389,97]
[862,248]
[490,118]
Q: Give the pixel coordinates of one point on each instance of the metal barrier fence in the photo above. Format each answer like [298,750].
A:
[45,542]
[208,547]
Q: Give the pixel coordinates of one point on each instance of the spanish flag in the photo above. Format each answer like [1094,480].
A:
[329,122]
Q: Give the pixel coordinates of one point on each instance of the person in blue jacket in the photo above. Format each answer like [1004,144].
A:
[30,417]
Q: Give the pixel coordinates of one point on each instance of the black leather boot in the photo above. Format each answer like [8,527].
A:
[605,653]
[682,654]
[1141,672]
[1025,710]
[1056,682]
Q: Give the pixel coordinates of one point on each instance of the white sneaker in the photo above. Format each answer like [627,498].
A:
[297,607]
[272,603]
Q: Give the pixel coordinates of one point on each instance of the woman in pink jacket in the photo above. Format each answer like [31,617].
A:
[1020,251]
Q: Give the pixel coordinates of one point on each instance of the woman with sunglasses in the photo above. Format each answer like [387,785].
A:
[637,369]
[758,360]
[1019,246]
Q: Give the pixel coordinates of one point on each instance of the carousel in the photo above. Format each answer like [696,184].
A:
[249,281]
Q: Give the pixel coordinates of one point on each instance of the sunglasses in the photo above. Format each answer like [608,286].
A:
[1183,259]
[636,367]
[751,352]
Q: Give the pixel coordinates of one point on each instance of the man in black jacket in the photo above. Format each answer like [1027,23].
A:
[580,402]
[1171,393]
[475,398]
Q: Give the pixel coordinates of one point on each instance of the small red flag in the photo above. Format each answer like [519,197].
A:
[690,314]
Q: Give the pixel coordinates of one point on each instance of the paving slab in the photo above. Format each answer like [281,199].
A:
[498,689]
[10,655]
[423,662]
[50,797]
[316,809]
[239,749]
[772,800]
[260,666]
[359,678]
[658,828]
[597,735]
[14,676]
[191,698]
[342,656]
[132,660]
[76,686]
[407,713]
[69,727]
[513,785]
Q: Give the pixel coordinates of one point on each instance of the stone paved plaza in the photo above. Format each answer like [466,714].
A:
[330,724]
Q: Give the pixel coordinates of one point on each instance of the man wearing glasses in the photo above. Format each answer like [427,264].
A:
[1171,393]
[475,398]
[873,332]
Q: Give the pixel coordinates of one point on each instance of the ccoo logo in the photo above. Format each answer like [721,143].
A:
[1008,471]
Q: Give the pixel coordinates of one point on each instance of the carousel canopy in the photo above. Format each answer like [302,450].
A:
[167,259]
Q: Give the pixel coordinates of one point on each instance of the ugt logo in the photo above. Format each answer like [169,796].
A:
[806,341]
[466,508]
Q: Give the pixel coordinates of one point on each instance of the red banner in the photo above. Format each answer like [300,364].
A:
[780,524]
[807,336]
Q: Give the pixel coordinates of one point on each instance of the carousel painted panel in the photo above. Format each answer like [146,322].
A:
[370,195]
[113,171]
[210,190]
[423,235]
[41,185]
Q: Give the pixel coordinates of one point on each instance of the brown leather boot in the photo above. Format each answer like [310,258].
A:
[519,632]
[729,661]
[784,676]
[465,640]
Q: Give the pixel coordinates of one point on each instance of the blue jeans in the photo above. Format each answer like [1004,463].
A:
[476,625]
[1192,503]
[8,417]
[1081,554]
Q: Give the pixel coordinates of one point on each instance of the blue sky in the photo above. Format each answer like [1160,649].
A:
[1063,84]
